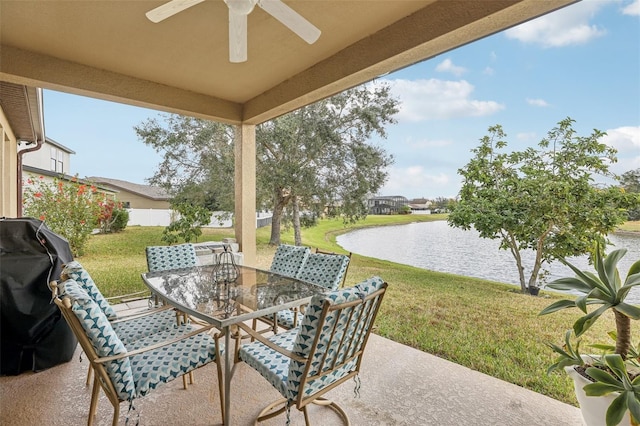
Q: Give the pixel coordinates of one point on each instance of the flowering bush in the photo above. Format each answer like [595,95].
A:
[112,218]
[70,209]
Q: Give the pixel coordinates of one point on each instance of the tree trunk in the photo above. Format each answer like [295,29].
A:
[296,221]
[623,330]
[280,201]
[513,247]
[276,220]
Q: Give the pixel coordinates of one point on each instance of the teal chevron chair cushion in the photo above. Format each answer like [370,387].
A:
[288,319]
[326,270]
[75,271]
[128,329]
[162,258]
[288,259]
[166,363]
[133,329]
[284,373]
[102,337]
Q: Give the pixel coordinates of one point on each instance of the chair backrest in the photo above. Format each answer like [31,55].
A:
[332,338]
[75,271]
[327,270]
[288,259]
[162,258]
[96,337]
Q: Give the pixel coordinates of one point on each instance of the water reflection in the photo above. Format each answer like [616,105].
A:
[438,247]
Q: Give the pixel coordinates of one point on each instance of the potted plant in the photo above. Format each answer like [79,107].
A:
[611,375]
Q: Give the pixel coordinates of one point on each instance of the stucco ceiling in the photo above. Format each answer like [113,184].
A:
[110,50]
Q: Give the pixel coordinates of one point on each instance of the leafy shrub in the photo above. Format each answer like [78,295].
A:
[69,208]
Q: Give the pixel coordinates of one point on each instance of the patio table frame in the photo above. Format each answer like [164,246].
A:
[224,304]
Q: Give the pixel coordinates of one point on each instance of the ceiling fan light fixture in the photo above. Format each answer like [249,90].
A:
[238,11]
[241,7]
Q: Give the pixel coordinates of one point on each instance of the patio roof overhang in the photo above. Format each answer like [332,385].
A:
[110,50]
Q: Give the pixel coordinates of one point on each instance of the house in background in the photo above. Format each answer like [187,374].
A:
[147,205]
[386,205]
[52,156]
[420,206]
[134,195]
[52,161]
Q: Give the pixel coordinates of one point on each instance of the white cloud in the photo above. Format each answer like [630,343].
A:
[568,26]
[448,66]
[627,141]
[632,8]
[537,102]
[415,181]
[488,71]
[435,99]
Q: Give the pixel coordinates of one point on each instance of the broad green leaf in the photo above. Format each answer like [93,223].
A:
[632,311]
[616,410]
[581,303]
[632,279]
[610,266]
[600,389]
[635,268]
[557,306]
[634,405]
[616,364]
[588,278]
[570,283]
[604,377]
[582,324]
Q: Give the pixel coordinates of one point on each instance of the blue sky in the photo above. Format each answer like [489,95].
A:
[581,62]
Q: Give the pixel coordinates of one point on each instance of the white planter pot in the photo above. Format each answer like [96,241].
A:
[593,408]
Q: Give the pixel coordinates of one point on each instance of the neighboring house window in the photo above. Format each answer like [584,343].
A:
[60,167]
[54,159]
[126,205]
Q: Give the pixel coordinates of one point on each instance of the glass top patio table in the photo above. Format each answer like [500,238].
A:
[253,294]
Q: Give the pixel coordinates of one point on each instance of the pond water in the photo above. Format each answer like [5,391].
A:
[438,247]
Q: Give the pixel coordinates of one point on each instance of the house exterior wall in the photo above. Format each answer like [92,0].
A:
[8,169]
[49,157]
[139,202]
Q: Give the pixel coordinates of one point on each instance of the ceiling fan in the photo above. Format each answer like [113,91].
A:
[238,11]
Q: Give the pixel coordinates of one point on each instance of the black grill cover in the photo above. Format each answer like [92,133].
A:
[34,336]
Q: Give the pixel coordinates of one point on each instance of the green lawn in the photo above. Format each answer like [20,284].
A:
[487,326]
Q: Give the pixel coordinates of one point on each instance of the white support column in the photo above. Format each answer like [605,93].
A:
[245,191]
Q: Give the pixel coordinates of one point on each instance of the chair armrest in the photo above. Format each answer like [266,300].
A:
[141,314]
[259,337]
[159,345]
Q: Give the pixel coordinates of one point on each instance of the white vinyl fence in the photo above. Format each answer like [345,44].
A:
[163,217]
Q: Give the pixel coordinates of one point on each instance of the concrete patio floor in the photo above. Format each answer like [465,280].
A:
[400,386]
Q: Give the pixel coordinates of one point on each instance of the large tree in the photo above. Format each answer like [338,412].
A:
[197,165]
[316,159]
[541,199]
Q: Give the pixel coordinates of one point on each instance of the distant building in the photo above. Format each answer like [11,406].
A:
[420,205]
[134,195]
[52,157]
[386,205]
[51,161]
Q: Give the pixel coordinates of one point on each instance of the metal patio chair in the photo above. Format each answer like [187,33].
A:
[126,372]
[324,352]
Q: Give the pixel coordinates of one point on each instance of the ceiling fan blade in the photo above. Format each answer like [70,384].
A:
[169,9]
[237,36]
[291,19]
